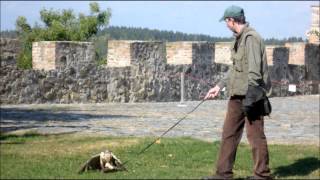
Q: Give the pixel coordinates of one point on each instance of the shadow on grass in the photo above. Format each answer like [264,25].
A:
[6,136]
[300,167]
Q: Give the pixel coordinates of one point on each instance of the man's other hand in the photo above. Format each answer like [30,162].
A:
[212,93]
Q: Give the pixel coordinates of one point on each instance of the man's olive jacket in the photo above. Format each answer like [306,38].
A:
[249,64]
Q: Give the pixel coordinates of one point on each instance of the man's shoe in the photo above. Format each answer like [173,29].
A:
[215,177]
[259,178]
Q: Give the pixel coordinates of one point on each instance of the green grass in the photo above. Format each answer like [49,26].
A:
[60,156]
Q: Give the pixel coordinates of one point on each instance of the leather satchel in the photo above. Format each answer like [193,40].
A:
[256,103]
[267,108]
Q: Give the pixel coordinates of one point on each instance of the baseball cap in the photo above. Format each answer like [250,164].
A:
[232,11]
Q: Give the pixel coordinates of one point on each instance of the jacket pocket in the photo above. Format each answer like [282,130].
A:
[238,58]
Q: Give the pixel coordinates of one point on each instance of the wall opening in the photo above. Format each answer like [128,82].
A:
[62,62]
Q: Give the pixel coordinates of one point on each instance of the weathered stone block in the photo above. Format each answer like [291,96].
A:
[270,52]
[148,68]
[223,53]
[9,50]
[312,55]
[179,52]
[119,53]
[43,55]
[73,54]
[50,55]
[296,53]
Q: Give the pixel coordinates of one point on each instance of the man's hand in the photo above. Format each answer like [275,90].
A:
[212,93]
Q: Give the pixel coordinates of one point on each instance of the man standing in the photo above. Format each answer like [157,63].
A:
[247,83]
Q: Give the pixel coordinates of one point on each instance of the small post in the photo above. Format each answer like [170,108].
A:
[182,90]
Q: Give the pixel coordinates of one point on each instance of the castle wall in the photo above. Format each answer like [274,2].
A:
[148,76]
[179,52]
[270,52]
[119,54]
[71,54]
[51,55]
[9,51]
[296,53]
[223,53]
[44,55]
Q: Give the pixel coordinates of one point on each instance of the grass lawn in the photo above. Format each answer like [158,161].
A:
[60,156]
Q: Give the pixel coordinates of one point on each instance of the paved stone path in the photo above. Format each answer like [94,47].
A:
[294,120]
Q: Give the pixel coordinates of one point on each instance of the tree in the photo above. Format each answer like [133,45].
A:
[60,26]
[316,33]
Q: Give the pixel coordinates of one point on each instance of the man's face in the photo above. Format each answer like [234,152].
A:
[230,24]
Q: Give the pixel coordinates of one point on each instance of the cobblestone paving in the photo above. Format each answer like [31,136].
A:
[294,120]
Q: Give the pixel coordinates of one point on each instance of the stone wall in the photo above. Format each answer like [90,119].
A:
[270,51]
[119,54]
[148,72]
[179,52]
[73,54]
[296,53]
[302,73]
[50,55]
[9,50]
[223,52]
[44,55]
[149,77]
[312,67]
[312,62]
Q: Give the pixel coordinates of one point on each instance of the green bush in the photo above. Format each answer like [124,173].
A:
[59,26]
[25,60]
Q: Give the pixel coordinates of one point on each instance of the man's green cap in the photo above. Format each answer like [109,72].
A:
[232,11]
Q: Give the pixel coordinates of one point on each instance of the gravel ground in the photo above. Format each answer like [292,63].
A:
[294,120]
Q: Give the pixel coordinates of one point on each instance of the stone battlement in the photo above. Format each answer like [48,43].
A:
[49,55]
[183,52]
[145,71]
[9,50]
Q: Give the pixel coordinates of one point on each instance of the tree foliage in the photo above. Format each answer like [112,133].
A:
[316,33]
[65,26]
[59,26]
[132,33]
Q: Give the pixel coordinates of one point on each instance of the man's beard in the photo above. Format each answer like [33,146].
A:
[233,31]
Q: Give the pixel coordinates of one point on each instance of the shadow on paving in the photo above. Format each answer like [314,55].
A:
[15,128]
[16,114]
[300,167]
[13,119]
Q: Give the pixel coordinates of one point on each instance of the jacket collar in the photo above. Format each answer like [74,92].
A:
[238,35]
